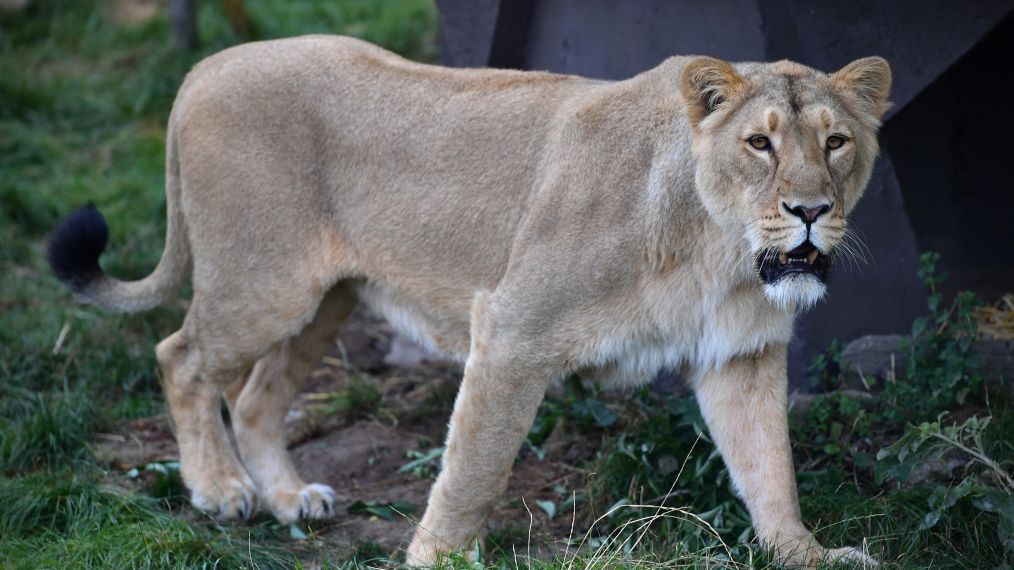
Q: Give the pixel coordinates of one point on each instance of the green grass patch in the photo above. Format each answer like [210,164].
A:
[50,522]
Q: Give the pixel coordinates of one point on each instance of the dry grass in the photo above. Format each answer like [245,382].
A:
[996,321]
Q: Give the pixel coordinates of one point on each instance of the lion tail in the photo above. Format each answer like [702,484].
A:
[79,239]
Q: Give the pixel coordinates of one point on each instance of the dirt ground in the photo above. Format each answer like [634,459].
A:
[360,453]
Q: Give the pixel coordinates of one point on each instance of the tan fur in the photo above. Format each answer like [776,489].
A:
[528,224]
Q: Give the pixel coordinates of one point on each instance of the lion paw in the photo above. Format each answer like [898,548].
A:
[851,555]
[314,501]
[226,498]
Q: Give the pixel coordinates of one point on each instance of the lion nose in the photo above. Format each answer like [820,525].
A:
[808,214]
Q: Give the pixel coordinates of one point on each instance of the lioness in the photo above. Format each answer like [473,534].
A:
[528,224]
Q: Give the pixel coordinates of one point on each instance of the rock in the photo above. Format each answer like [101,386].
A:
[881,357]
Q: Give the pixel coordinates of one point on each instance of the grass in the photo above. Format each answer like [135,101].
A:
[888,524]
[83,106]
[47,522]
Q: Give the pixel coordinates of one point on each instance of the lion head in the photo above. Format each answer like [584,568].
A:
[783,153]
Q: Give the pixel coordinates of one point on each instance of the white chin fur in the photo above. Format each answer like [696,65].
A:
[795,291]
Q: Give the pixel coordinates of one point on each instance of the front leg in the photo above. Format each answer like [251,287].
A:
[503,386]
[745,406]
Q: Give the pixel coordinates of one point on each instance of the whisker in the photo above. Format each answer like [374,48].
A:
[847,258]
[855,249]
[857,236]
[848,250]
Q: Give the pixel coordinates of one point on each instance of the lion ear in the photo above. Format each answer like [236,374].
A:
[867,79]
[709,85]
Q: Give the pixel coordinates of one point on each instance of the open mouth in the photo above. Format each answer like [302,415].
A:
[805,259]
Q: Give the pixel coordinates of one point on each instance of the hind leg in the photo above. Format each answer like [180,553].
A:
[218,482]
[258,404]
[224,334]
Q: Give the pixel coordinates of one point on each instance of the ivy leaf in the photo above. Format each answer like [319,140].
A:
[549,507]
[929,520]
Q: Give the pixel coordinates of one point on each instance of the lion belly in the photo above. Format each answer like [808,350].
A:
[443,329]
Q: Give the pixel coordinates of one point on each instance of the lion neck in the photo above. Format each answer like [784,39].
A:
[682,237]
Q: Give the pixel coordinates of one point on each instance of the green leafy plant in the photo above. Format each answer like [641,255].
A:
[824,369]
[359,398]
[841,432]
[983,481]
[855,450]
[942,369]
[579,404]
[424,464]
[833,437]
[669,460]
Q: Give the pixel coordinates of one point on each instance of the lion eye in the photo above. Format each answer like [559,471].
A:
[759,142]
[835,141]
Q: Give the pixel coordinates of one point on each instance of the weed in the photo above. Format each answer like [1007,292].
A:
[834,438]
[424,465]
[501,542]
[826,367]
[45,429]
[851,446]
[579,405]
[941,370]
[667,460]
[843,445]
[984,482]
[359,398]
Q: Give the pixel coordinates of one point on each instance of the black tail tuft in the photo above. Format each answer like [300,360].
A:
[75,246]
